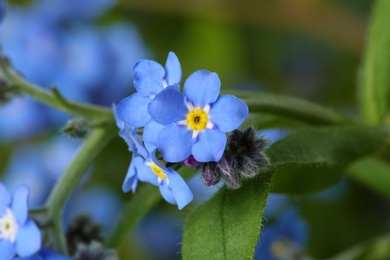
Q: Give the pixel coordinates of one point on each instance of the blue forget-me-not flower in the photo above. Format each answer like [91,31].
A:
[18,233]
[196,121]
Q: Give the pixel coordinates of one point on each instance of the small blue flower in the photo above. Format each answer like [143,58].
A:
[196,122]
[172,186]
[149,79]
[283,240]
[18,233]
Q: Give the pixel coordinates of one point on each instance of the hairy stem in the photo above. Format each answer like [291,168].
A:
[53,98]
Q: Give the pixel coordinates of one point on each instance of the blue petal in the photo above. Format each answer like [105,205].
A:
[134,110]
[125,133]
[5,199]
[148,77]
[19,204]
[228,113]
[124,129]
[119,123]
[174,142]
[28,239]
[7,250]
[210,146]
[172,69]
[151,131]
[131,179]
[168,106]
[180,190]
[144,172]
[139,148]
[202,88]
[150,146]
[166,193]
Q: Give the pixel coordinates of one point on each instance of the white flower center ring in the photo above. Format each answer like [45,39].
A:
[8,226]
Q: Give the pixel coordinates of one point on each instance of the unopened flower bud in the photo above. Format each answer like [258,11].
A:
[192,162]
[82,230]
[228,166]
[77,128]
[211,174]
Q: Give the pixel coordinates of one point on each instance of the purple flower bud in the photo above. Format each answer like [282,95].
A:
[228,166]
[192,162]
[211,173]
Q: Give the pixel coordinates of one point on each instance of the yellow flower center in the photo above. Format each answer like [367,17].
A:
[197,119]
[158,171]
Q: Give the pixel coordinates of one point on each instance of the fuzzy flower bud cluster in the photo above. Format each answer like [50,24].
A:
[243,159]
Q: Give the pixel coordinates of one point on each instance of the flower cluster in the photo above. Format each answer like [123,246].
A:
[18,233]
[186,127]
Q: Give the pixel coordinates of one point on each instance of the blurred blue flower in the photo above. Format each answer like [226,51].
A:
[83,68]
[49,45]
[18,233]
[18,119]
[46,254]
[33,44]
[123,48]
[283,240]
[53,43]
[196,122]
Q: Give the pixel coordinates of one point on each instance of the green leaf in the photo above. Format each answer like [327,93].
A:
[291,108]
[310,160]
[375,90]
[227,226]
[373,173]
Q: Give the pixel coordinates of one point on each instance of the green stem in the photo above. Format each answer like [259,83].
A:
[72,176]
[54,98]
[292,108]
